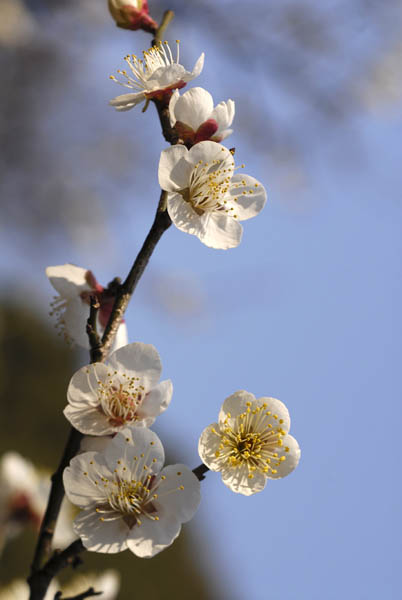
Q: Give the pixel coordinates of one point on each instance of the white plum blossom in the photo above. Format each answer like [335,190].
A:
[250,443]
[127,499]
[105,397]
[23,497]
[195,118]
[132,14]
[75,287]
[205,196]
[153,77]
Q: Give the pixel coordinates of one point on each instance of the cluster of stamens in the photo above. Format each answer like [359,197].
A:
[209,186]
[131,490]
[143,68]
[120,401]
[252,441]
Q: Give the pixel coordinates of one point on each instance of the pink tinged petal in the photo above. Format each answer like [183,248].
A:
[68,280]
[127,101]
[174,171]
[238,480]
[291,451]
[131,442]
[101,536]
[279,416]
[183,215]
[208,447]
[246,195]
[223,113]
[81,476]
[151,536]
[89,420]
[206,130]
[220,231]
[235,405]
[179,494]
[194,107]
[156,401]
[138,360]
[121,338]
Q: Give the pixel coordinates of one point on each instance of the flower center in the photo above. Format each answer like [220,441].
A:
[120,401]
[209,184]
[143,68]
[253,440]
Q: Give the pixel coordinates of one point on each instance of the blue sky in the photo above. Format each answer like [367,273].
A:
[306,309]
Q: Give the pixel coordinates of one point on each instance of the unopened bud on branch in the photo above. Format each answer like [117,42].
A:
[132,14]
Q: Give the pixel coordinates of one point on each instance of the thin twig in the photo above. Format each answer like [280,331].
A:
[40,580]
[92,332]
[161,223]
[199,471]
[87,594]
[167,17]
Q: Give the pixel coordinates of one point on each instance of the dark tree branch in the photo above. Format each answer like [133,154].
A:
[92,332]
[199,471]
[87,594]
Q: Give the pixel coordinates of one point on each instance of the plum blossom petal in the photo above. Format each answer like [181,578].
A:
[195,118]
[133,504]
[250,443]
[153,77]
[174,170]
[207,200]
[132,14]
[75,286]
[105,397]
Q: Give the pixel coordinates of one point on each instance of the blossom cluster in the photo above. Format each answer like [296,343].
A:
[127,498]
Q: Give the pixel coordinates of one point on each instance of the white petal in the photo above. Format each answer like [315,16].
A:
[238,480]
[90,443]
[194,107]
[291,451]
[83,388]
[199,65]
[68,280]
[135,441]
[220,231]
[250,196]
[127,101]
[121,338]
[151,537]
[89,420]
[279,412]
[174,171]
[208,446]
[75,321]
[172,104]
[81,489]
[235,405]
[165,77]
[101,536]
[223,114]
[222,135]
[183,215]
[180,503]
[156,401]
[138,360]
[207,152]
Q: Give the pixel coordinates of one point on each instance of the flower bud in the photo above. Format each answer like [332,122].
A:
[132,14]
